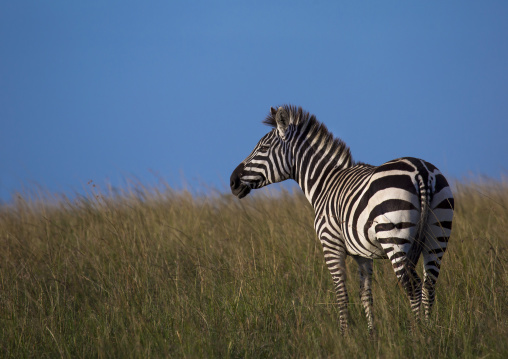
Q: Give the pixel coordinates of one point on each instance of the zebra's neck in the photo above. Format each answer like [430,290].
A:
[317,156]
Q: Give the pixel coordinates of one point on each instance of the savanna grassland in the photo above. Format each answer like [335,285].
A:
[151,273]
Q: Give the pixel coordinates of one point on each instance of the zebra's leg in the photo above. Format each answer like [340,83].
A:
[404,270]
[439,227]
[412,284]
[439,231]
[431,266]
[335,259]
[365,272]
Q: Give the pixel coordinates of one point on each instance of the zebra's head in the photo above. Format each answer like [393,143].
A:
[269,162]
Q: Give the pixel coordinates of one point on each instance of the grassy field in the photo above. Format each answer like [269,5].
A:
[158,273]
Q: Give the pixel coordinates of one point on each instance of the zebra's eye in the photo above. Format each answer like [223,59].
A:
[264,148]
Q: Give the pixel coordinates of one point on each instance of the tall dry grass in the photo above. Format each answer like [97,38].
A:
[159,273]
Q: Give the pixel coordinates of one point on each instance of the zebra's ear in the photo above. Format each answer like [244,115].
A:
[273,111]
[282,120]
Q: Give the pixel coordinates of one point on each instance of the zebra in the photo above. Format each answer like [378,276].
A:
[398,211]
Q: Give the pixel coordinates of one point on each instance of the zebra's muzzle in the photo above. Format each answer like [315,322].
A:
[242,191]
[238,188]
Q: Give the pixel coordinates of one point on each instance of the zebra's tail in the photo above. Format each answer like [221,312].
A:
[416,248]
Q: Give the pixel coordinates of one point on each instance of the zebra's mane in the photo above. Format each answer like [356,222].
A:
[303,121]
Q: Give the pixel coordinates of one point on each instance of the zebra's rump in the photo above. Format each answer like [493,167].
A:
[386,213]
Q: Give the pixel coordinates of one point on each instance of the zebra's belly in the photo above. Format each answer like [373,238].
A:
[363,243]
[367,249]
[330,229]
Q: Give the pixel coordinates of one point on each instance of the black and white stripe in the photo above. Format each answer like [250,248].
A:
[399,210]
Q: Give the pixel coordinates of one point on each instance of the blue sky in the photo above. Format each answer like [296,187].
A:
[116,90]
